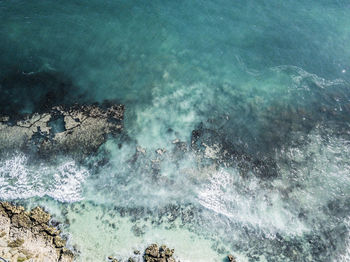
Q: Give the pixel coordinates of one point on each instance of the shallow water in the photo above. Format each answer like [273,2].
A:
[266,86]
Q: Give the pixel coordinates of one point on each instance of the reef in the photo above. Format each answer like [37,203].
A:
[28,236]
[78,129]
[211,145]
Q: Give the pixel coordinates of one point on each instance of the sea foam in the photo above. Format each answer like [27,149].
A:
[62,181]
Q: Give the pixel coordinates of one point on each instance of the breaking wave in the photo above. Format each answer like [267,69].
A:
[20,179]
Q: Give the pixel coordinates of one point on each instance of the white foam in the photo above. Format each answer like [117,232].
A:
[249,203]
[62,182]
[174,106]
[346,256]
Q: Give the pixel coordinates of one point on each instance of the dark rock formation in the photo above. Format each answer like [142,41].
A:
[27,235]
[211,145]
[231,258]
[77,129]
[153,253]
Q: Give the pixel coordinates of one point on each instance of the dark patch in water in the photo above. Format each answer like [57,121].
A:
[35,92]
[57,124]
[230,154]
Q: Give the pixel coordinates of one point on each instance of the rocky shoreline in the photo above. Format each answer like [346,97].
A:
[28,236]
[79,129]
[155,253]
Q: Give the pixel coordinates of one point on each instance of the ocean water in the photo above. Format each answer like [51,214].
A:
[257,92]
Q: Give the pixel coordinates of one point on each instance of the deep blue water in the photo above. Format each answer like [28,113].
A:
[267,82]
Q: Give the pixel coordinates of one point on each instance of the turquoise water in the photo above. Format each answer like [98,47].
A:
[266,83]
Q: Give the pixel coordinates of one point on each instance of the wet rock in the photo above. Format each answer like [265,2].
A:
[141,150]
[59,242]
[78,129]
[153,253]
[50,230]
[160,151]
[66,255]
[152,250]
[25,235]
[231,258]
[40,215]
[112,259]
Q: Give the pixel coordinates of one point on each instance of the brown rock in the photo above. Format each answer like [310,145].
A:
[59,242]
[231,258]
[152,251]
[22,220]
[10,209]
[28,236]
[50,230]
[161,254]
[16,243]
[40,216]
[66,255]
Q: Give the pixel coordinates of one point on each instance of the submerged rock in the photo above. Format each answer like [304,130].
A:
[79,129]
[28,236]
[212,145]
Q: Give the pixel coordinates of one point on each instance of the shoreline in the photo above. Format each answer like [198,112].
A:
[29,236]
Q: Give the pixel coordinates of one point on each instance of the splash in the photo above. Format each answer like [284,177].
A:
[20,179]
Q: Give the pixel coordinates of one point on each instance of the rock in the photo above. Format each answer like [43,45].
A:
[112,259]
[152,250]
[40,215]
[50,230]
[167,251]
[59,242]
[160,151]
[21,258]
[137,252]
[22,219]
[153,253]
[79,129]
[25,235]
[16,243]
[231,258]
[66,255]
[141,150]
[11,209]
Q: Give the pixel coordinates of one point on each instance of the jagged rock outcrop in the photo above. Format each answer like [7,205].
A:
[231,258]
[153,253]
[80,128]
[27,236]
